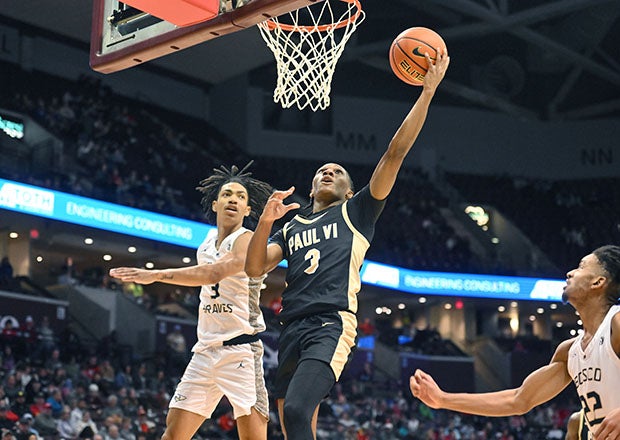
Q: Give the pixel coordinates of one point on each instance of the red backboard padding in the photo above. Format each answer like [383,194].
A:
[178,12]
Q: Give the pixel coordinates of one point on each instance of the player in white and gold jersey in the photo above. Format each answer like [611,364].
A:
[591,361]
[227,359]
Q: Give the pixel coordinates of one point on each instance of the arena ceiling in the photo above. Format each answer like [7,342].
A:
[532,59]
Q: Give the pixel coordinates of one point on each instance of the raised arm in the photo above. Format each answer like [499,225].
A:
[193,276]
[384,176]
[263,257]
[539,387]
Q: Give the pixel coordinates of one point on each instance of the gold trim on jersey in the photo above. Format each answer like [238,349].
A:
[359,246]
[308,221]
[345,342]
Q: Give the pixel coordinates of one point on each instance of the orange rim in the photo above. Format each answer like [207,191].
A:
[272,25]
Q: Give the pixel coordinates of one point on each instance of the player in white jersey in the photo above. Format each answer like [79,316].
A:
[591,361]
[227,359]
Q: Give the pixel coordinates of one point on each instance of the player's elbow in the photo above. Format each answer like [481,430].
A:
[253,270]
[521,404]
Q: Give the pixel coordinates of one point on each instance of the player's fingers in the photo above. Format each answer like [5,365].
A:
[282,194]
[292,206]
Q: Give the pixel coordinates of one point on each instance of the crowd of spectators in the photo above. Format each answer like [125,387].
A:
[145,157]
[566,219]
[85,392]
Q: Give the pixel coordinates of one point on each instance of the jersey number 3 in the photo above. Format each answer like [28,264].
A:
[216,291]
[314,255]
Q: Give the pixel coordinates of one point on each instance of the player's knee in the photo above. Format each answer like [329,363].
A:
[296,413]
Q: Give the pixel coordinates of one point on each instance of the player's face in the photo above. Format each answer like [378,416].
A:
[331,181]
[588,275]
[232,203]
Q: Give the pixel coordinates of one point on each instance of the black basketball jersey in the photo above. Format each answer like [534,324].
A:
[325,251]
[584,432]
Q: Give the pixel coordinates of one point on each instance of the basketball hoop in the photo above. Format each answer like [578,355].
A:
[307,54]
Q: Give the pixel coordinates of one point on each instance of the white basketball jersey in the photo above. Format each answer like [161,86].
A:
[596,373]
[229,308]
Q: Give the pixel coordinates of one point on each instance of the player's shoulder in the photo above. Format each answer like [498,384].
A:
[564,347]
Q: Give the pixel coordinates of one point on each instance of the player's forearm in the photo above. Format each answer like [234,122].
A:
[411,126]
[190,276]
[256,259]
[495,404]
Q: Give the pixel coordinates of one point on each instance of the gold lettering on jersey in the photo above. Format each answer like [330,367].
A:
[311,236]
[329,229]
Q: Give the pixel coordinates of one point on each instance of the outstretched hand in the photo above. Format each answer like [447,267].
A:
[133,274]
[610,427]
[424,387]
[275,208]
[436,71]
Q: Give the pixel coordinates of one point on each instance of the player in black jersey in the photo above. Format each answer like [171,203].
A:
[325,248]
[576,427]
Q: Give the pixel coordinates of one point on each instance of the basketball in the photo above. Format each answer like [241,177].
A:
[407,53]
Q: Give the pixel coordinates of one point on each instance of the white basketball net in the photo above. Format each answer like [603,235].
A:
[306,53]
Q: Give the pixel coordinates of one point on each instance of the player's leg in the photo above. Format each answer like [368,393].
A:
[315,418]
[245,388]
[194,399]
[310,384]
[252,426]
[181,424]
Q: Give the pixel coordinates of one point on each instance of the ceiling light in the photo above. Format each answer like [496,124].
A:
[13,235]
[107,257]
[88,240]
[149,265]
[132,249]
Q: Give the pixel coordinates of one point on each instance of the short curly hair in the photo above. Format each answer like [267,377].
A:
[609,259]
[258,191]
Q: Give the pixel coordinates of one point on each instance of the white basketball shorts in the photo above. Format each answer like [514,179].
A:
[234,371]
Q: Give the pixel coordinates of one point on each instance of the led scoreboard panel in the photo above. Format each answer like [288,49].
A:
[83,211]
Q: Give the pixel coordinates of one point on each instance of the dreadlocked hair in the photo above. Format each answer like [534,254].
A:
[258,191]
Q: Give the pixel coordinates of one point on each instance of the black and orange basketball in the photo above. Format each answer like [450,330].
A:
[407,53]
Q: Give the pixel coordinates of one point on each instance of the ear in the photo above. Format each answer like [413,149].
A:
[348,195]
[213,206]
[599,282]
[248,211]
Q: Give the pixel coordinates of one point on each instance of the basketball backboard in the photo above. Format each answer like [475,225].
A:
[124,37]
